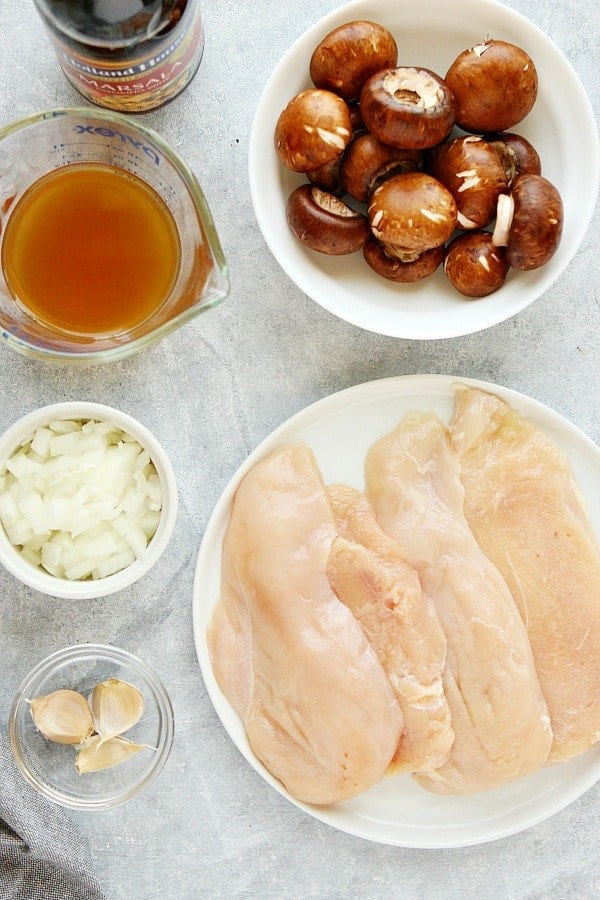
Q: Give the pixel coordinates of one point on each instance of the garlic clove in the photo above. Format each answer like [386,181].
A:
[97,754]
[63,717]
[116,706]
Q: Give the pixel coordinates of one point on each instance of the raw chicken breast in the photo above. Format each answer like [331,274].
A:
[529,517]
[317,706]
[499,717]
[368,572]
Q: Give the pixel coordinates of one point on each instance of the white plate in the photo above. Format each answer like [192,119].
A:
[430,33]
[340,429]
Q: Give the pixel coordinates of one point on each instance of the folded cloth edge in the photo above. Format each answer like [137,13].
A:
[42,855]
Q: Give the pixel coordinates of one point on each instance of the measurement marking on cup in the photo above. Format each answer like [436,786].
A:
[148,149]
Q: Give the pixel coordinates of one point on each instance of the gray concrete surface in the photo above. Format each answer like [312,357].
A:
[210,826]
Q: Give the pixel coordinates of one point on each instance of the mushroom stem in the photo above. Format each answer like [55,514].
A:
[405,256]
[504,215]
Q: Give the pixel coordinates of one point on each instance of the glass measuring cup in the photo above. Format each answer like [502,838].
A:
[35,146]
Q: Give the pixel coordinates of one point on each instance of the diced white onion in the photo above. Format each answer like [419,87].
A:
[20,533]
[149,522]
[32,556]
[32,507]
[51,555]
[80,499]
[20,466]
[137,541]
[63,426]
[41,442]
[114,564]
[9,511]
[63,444]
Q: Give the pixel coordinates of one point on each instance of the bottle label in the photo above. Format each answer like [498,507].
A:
[143,82]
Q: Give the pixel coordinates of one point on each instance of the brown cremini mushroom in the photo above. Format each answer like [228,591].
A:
[329,176]
[474,265]
[529,222]
[349,54]
[313,129]
[324,222]
[407,107]
[517,155]
[473,173]
[495,85]
[412,211]
[367,162]
[402,267]
[356,119]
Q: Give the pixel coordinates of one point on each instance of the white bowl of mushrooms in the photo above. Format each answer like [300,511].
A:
[393,192]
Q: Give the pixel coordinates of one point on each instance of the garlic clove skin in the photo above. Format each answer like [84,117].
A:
[97,754]
[63,717]
[116,707]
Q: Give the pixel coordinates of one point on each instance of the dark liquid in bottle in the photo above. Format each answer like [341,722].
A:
[114,24]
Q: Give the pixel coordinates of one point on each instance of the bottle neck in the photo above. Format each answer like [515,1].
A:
[111,24]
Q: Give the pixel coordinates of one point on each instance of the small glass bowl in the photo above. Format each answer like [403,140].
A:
[50,767]
[11,556]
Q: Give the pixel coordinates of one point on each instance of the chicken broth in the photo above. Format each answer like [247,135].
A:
[90,249]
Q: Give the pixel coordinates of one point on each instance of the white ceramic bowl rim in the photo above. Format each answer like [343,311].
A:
[10,556]
[562,127]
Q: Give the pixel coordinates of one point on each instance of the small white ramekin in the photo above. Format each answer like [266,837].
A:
[11,557]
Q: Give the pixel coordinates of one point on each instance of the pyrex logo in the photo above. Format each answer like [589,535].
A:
[148,149]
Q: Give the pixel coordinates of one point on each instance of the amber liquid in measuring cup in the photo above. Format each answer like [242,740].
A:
[90,249]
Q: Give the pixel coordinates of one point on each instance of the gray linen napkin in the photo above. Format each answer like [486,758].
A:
[41,854]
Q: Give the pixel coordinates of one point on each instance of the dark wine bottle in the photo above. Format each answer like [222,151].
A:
[127,55]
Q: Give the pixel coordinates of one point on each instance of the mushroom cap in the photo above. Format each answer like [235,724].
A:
[328,177]
[356,119]
[401,268]
[350,54]
[313,129]
[472,171]
[517,155]
[474,265]
[412,211]
[537,222]
[367,160]
[495,84]
[407,107]
[325,223]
